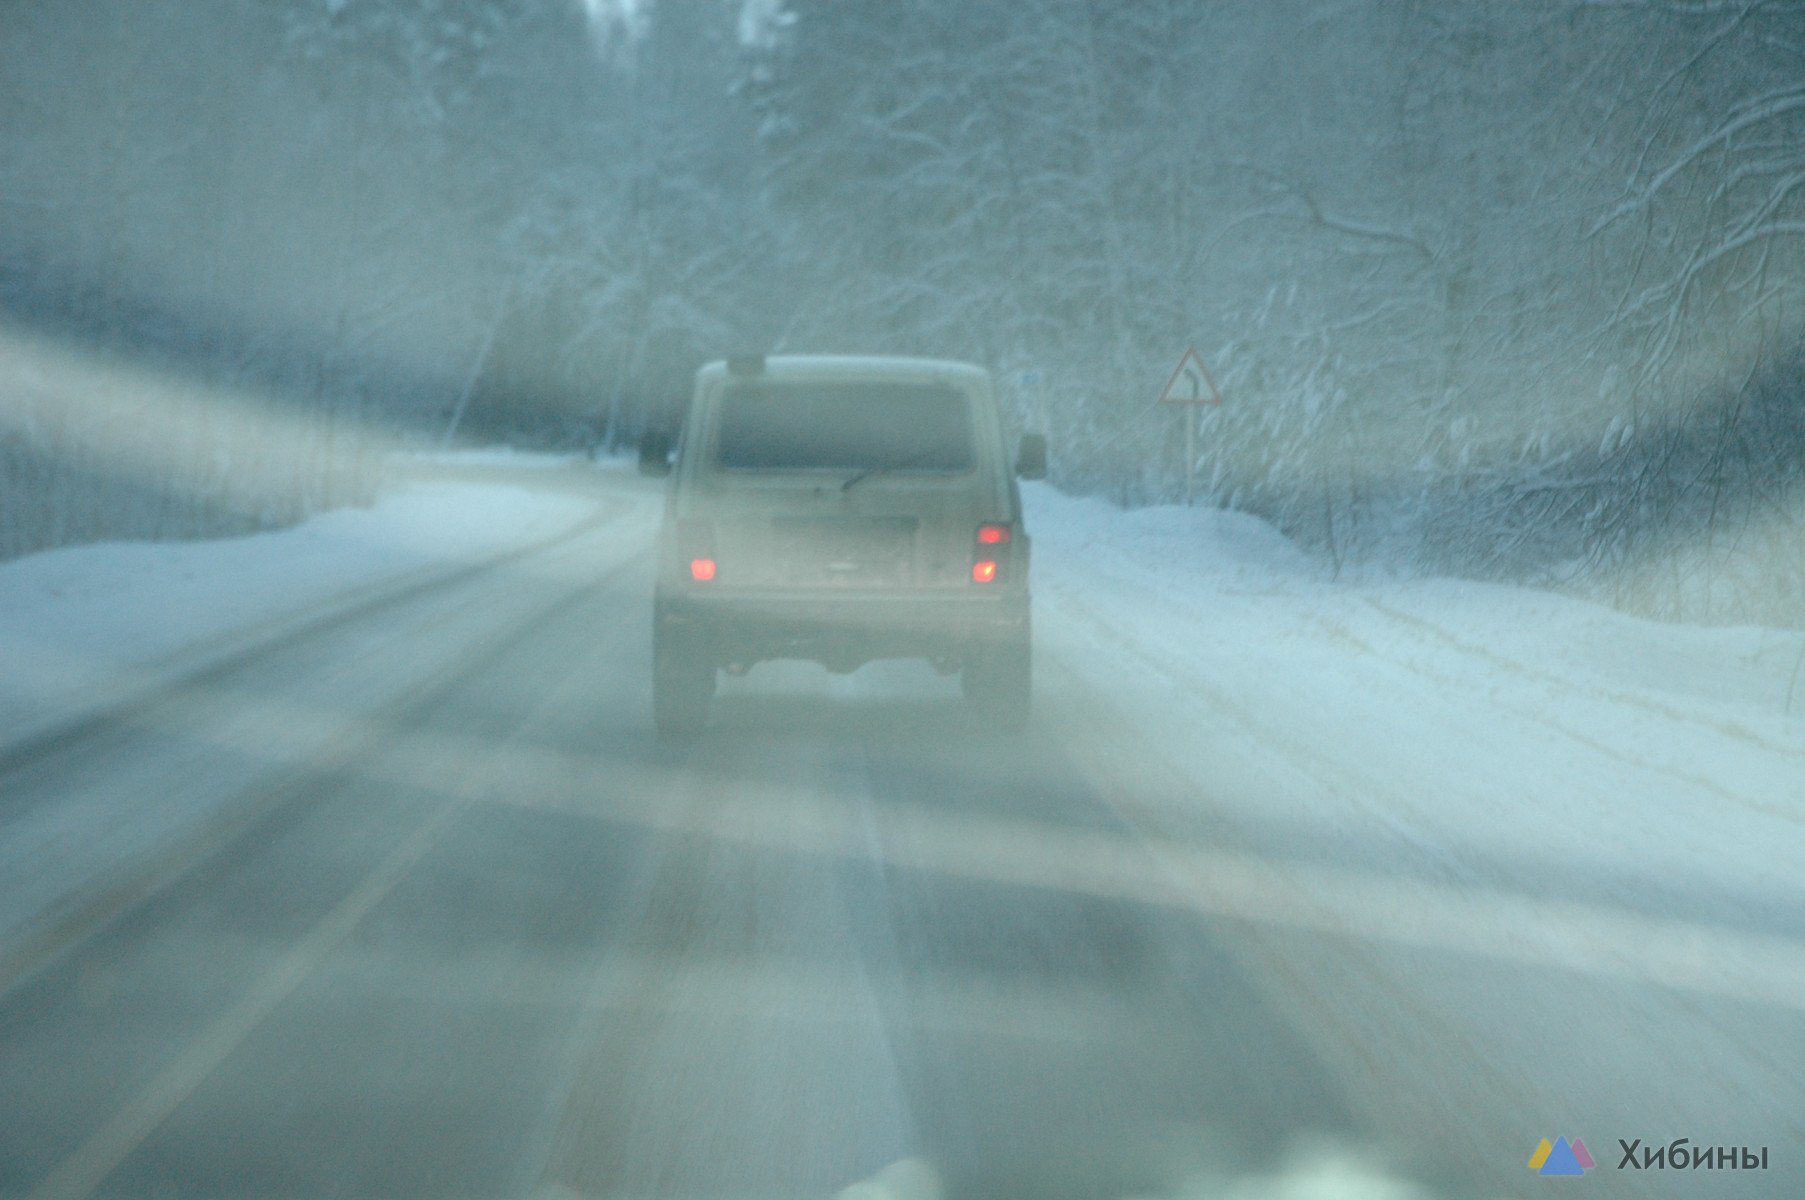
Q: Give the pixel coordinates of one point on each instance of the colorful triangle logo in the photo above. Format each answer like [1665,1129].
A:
[1561,1157]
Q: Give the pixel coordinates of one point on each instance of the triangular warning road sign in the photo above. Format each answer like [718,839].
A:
[1190,383]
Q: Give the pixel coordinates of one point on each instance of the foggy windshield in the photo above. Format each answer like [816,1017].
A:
[855,426]
[902,599]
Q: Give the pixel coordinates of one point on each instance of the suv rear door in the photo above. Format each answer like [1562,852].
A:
[849,483]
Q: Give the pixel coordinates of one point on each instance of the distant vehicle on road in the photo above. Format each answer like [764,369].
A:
[840,510]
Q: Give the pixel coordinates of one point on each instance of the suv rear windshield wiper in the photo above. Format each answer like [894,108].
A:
[912,460]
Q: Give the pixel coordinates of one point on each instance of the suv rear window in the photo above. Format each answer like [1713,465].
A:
[851,426]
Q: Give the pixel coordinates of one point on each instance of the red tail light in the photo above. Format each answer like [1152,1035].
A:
[695,546]
[991,554]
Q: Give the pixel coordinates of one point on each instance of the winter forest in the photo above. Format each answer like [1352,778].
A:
[1506,291]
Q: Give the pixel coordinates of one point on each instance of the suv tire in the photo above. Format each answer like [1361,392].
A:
[683,682]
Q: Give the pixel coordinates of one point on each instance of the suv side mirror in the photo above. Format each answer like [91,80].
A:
[1031,457]
[655,453]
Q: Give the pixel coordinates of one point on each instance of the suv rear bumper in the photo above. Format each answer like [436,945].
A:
[841,630]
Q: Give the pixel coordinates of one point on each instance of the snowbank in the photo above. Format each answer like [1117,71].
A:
[78,623]
[1173,552]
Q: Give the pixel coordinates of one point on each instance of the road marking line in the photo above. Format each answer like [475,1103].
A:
[83,1171]
[1488,923]
[140,690]
[340,747]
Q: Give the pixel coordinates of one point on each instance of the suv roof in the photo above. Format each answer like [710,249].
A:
[849,366]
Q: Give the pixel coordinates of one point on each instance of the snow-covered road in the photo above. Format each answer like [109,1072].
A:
[1512,861]
[1431,870]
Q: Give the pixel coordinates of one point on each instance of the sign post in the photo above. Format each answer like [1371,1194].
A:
[1190,387]
[1032,380]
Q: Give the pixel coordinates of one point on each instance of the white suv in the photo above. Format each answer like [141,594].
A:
[841,510]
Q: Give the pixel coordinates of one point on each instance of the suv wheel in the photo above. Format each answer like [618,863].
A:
[999,681]
[683,679]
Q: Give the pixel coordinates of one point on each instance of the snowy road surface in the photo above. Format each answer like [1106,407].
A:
[1291,885]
